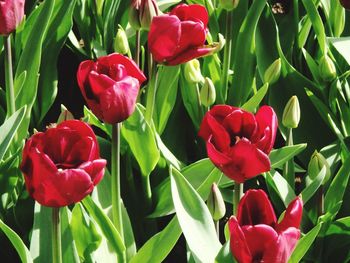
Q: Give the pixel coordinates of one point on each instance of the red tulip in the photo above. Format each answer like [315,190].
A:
[11,14]
[256,236]
[110,86]
[345,3]
[179,36]
[62,165]
[238,142]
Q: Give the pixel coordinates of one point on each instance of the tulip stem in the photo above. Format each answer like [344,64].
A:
[151,95]
[10,92]
[217,228]
[137,47]
[288,169]
[238,193]
[56,236]
[116,195]
[227,57]
[320,197]
[200,109]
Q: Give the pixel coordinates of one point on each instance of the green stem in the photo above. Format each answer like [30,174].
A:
[147,192]
[11,104]
[200,109]
[151,95]
[320,197]
[116,196]
[238,193]
[227,56]
[217,228]
[137,47]
[56,236]
[288,169]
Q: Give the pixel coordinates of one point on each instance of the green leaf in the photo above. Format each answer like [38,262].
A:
[90,118]
[8,130]
[337,188]
[137,133]
[225,254]
[17,242]
[159,246]
[254,101]
[86,236]
[304,244]
[280,156]
[284,190]
[194,218]
[341,44]
[201,175]
[310,190]
[105,224]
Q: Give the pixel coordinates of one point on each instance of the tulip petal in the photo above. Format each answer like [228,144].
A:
[82,151]
[193,12]
[98,83]
[218,158]
[95,169]
[164,37]
[191,53]
[192,35]
[238,244]
[255,208]
[83,72]
[292,216]
[240,123]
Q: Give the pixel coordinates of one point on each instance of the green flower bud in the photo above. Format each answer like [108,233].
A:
[193,72]
[229,4]
[316,164]
[327,69]
[273,72]
[142,12]
[215,203]
[121,44]
[65,115]
[291,113]
[208,93]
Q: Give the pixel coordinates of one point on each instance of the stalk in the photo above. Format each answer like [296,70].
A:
[137,47]
[56,236]
[288,169]
[238,193]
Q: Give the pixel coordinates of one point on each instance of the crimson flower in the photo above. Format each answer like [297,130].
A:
[179,36]
[11,14]
[238,142]
[256,236]
[110,86]
[62,165]
[345,3]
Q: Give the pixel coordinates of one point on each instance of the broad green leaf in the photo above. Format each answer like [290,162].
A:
[254,101]
[337,188]
[280,156]
[110,10]
[17,242]
[8,130]
[86,236]
[167,154]
[194,218]
[90,118]
[304,244]
[310,190]
[341,44]
[159,246]
[285,191]
[225,254]
[141,140]
[244,54]
[105,224]
[201,175]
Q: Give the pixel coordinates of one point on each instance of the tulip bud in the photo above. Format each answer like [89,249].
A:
[291,113]
[11,14]
[229,4]
[121,44]
[327,69]
[193,72]
[208,93]
[273,72]
[345,3]
[316,164]
[142,12]
[65,115]
[215,203]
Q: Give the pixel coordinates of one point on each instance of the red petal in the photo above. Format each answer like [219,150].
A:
[255,208]
[191,12]
[95,169]
[192,35]
[217,157]
[189,54]
[292,216]
[98,83]
[240,123]
[83,72]
[238,244]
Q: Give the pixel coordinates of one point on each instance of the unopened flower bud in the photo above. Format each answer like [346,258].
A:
[273,72]
[291,113]
[216,204]
[345,3]
[121,44]
[142,12]
[229,4]
[327,69]
[208,93]
[65,115]
[193,72]
[316,164]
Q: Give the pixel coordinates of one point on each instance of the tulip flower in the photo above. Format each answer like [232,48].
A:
[142,12]
[238,142]
[110,86]
[256,236]
[179,36]
[345,3]
[11,14]
[62,165]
